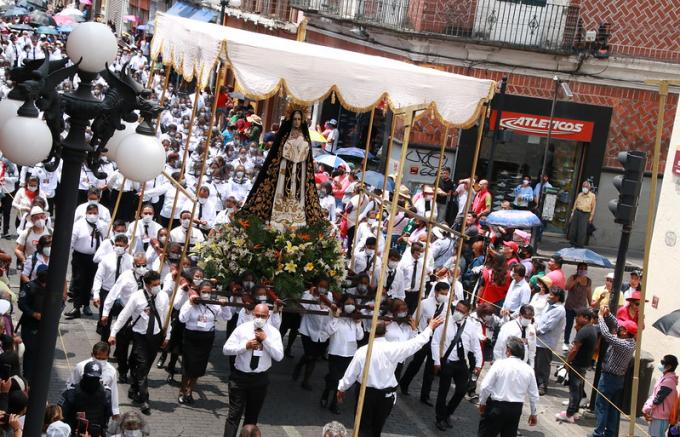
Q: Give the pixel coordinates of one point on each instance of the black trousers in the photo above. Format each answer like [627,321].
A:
[103,330]
[411,300]
[247,392]
[542,366]
[290,323]
[127,206]
[424,354]
[458,372]
[86,269]
[313,351]
[377,407]
[29,336]
[6,206]
[500,418]
[336,369]
[144,350]
[123,357]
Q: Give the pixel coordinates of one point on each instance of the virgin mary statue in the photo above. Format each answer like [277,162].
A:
[284,194]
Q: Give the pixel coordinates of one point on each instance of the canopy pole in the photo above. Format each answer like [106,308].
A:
[651,214]
[409,114]
[468,203]
[204,160]
[437,179]
[363,188]
[117,204]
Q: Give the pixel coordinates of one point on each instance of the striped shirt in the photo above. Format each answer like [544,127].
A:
[619,351]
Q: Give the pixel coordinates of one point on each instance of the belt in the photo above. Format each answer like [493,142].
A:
[383,390]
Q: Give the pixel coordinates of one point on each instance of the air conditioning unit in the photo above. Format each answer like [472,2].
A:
[591,35]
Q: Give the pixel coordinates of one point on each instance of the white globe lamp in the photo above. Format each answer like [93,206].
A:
[118,136]
[140,157]
[8,109]
[25,140]
[94,43]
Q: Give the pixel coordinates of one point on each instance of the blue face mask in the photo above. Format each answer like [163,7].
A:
[661,368]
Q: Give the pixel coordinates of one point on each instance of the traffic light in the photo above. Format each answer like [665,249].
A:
[628,184]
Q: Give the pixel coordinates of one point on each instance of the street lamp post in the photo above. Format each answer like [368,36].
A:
[223,6]
[26,140]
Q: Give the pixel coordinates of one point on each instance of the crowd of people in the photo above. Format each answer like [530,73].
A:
[512,312]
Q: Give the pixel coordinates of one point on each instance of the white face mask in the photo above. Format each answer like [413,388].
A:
[32,188]
[402,314]
[487,317]
[147,218]
[92,202]
[133,433]
[141,270]
[585,190]
[39,223]
[370,252]
[322,291]
[100,362]
[259,323]
[458,316]
[349,308]
[524,322]
[525,182]
[202,200]
[362,288]
[119,250]
[155,290]
[441,298]
[197,281]
[92,218]
[371,221]
[393,264]
[47,250]
[205,296]
[248,284]
[239,174]
[185,223]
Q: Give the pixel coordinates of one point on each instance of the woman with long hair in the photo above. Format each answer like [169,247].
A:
[497,279]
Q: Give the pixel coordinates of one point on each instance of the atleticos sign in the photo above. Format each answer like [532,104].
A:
[539,125]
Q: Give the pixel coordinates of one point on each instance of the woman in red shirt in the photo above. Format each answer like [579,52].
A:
[497,280]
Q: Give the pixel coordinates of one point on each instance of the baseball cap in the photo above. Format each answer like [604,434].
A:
[610,275]
[93,369]
[635,296]
[333,122]
[630,326]
[512,245]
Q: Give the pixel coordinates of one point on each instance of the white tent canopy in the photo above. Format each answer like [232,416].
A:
[263,63]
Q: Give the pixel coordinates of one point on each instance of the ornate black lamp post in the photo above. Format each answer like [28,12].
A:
[26,140]
[223,6]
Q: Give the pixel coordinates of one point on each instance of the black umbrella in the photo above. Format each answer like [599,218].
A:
[39,18]
[15,11]
[20,26]
[669,324]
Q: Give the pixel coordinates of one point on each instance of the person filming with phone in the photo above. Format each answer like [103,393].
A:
[87,406]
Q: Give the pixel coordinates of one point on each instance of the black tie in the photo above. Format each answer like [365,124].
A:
[459,345]
[438,311]
[254,360]
[146,230]
[96,236]
[200,210]
[390,279]
[368,262]
[151,326]
[524,332]
[413,276]
[120,258]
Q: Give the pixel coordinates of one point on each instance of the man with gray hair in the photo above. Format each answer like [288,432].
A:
[334,429]
[503,391]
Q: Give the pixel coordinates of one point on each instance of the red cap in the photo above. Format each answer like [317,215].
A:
[630,326]
[635,296]
[512,245]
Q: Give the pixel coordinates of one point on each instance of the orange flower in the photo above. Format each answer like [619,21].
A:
[244,224]
[258,246]
[304,237]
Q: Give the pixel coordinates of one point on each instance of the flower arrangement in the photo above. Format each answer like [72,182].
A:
[289,259]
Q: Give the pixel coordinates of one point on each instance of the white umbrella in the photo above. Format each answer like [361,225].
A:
[73,12]
[331,161]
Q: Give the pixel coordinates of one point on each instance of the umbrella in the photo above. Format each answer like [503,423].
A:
[354,152]
[513,218]
[573,255]
[20,27]
[86,2]
[39,18]
[47,30]
[64,19]
[73,12]
[130,18]
[316,137]
[376,180]
[237,95]
[15,12]
[669,324]
[66,28]
[331,161]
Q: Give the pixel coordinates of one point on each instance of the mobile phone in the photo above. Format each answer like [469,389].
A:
[82,426]
[5,371]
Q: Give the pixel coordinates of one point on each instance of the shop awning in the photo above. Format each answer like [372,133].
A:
[263,64]
[185,10]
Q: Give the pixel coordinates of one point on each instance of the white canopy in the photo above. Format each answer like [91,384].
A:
[263,63]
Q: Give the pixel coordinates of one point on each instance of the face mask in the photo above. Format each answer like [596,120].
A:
[248,284]
[371,221]
[100,362]
[47,250]
[197,281]
[92,218]
[92,202]
[524,322]
[487,318]
[205,296]
[239,174]
[202,200]
[370,252]
[525,182]
[393,264]
[185,223]
[322,291]
[441,298]
[259,323]
[349,309]
[162,239]
[402,314]
[147,218]
[262,299]
[582,272]
[39,223]
[155,290]
[362,288]
[585,190]
[132,433]
[119,250]
[141,270]
[32,188]
[458,316]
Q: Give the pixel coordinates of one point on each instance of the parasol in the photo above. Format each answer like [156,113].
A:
[513,218]
[47,30]
[376,180]
[572,255]
[331,161]
[316,137]
[15,11]
[354,152]
[40,18]
[669,324]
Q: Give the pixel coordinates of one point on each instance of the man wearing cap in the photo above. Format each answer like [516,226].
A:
[481,204]
[426,205]
[620,349]
[631,309]
[633,285]
[89,397]
[332,136]
[100,355]
[602,293]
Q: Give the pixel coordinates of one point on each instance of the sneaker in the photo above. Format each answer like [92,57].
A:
[565,347]
[562,417]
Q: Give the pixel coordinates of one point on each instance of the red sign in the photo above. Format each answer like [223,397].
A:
[539,125]
[414,169]
[676,163]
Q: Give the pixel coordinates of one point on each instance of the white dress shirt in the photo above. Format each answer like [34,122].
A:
[109,380]
[272,347]
[513,328]
[407,264]
[518,294]
[510,380]
[428,308]
[344,333]
[366,263]
[81,210]
[384,360]
[314,325]
[397,287]
[143,234]
[207,211]
[105,277]
[396,332]
[82,240]
[30,270]
[469,338]
[125,286]
[137,309]
[179,235]
[201,317]
[245,316]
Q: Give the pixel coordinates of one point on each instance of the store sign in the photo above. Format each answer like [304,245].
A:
[530,124]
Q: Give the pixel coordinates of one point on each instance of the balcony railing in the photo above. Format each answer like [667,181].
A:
[547,25]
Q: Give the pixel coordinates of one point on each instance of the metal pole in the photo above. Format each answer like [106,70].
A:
[651,213]
[223,5]
[378,295]
[497,127]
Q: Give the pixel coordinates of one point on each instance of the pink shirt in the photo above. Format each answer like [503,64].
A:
[557,278]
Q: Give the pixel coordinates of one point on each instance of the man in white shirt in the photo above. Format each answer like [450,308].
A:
[394,279]
[239,186]
[93,198]
[147,309]
[521,327]
[108,271]
[179,234]
[366,260]
[460,338]
[430,308]
[147,229]
[109,379]
[411,265]
[206,210]
[503,391]
[426,204]
[381,385]
[255,344]
[518,294]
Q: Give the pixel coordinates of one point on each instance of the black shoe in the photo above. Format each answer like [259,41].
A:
[441,425]
[122,379]
[132,394]
[306,386]
[73,314]
[170,378]
[87,311]
[426,401]
[181,399]
[160,363]
[335,410]
[189,398]
[145,409]
[404,390]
